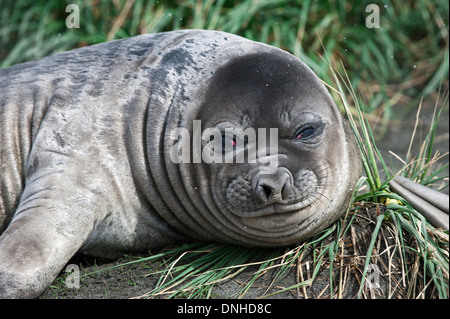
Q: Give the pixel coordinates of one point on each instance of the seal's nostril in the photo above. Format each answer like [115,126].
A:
[267,191]
[287,189]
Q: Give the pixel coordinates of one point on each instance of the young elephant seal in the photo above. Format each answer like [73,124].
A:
[141,143]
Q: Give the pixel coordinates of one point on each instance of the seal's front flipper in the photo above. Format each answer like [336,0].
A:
[430,203]
[46,231]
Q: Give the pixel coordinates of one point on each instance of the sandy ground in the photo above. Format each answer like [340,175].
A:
[133,281]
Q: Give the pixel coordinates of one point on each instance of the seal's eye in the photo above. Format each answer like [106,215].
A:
[309,133]
[306,132]
[228,144]
[233,142]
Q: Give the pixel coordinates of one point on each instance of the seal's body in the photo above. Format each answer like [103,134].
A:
[87,141]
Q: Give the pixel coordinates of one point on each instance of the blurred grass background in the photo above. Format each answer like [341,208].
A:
[391,67]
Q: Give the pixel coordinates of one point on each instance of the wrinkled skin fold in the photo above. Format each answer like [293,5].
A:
[86,138]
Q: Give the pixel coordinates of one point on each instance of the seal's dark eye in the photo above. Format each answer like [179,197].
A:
[309,133]
[305,132]
[230,144]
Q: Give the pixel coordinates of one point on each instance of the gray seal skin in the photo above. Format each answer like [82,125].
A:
[86,136]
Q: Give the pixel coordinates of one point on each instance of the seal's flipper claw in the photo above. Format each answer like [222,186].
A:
[432,204]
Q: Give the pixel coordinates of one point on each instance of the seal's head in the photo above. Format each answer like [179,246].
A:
[271,162]
[284,166]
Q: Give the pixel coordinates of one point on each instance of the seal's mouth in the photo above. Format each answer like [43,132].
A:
[276,222]
[275,208]
[278,218]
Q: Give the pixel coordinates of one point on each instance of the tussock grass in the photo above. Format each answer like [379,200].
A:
[430,244]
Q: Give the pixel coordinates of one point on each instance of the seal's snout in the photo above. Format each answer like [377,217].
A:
[274,188]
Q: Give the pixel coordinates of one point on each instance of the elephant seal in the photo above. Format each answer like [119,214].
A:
[96,159]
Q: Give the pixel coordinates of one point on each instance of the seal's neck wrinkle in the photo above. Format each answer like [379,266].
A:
[172,190]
